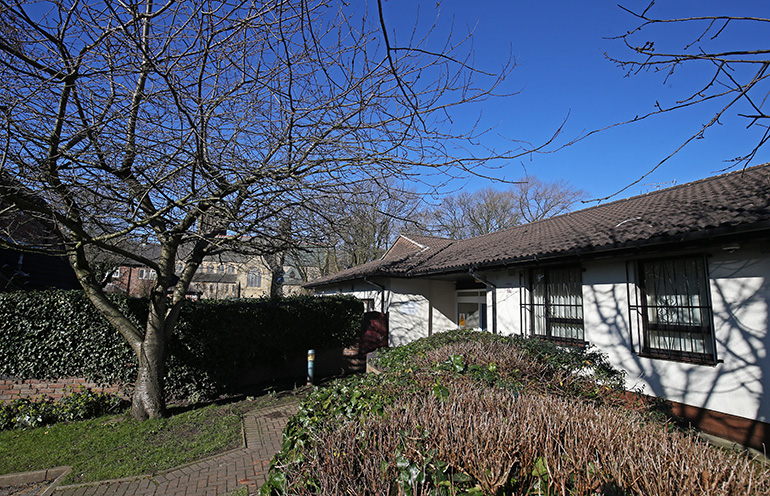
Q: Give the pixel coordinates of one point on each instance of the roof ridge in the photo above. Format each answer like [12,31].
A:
[414,242]
[443,238]
[436,252]
[622,200]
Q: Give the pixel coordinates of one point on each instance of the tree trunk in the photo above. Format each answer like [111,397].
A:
[275,262]
[148,400]
[149,395]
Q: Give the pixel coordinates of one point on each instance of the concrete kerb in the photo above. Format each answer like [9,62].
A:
[56,475]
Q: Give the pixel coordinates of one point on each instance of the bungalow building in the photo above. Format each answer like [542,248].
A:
[672,285]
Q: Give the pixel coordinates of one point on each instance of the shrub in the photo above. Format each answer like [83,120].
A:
[25,413]
[489,415]
[513,362]
[52,334]
[500,442]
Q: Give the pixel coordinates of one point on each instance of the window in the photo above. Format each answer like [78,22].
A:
[556,304]
[146,274]
[254,279]
[368,304]
[675,313]
[116,273]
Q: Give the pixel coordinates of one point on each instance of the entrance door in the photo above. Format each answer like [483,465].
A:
[472,310]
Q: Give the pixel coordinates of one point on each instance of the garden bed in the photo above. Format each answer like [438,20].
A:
[473,413]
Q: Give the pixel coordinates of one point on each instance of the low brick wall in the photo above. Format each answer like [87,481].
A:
[12,389]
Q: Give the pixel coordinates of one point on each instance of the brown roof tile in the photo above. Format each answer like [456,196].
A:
[739,201]
[410,244]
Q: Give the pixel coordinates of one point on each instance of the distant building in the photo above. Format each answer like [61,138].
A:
[222,276]
[22,270]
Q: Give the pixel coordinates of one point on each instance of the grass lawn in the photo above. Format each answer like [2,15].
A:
[117,446]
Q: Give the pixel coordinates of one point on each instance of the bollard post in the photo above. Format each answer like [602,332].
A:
[310,365]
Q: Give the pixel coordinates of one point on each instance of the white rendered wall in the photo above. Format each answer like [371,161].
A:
[740,294]
[740,298]
[443,309]
[508,295]
[360,290]
[419,308]
[416,307]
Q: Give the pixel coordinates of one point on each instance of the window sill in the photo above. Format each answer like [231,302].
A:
[574,343]
[675,357]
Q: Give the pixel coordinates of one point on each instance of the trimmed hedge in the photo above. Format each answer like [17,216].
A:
[216,340]
[52,334]
[469,413]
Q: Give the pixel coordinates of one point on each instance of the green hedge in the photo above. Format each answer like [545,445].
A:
[217,340]
[51,334]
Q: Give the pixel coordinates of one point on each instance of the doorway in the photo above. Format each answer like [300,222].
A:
[472,309]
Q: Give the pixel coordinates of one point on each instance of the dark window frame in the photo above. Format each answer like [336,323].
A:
[548,315]
[690,333]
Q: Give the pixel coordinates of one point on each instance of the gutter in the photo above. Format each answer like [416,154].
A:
[489,286]
[382,292]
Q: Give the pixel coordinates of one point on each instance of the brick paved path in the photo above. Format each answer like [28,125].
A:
[217,475]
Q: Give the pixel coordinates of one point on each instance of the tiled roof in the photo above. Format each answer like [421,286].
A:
[409,244]
[734,202]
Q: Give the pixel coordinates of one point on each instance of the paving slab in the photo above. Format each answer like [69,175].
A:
[217,475]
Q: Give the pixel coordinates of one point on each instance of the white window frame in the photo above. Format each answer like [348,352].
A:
[472,296]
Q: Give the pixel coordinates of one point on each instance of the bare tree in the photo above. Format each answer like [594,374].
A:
[540,200]
[467,214]
[364,220]
[734,76]
[202,124]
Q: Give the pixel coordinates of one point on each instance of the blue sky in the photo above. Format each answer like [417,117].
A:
[559,47]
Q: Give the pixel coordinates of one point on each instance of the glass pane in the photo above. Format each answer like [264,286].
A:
[677,305]
[557,301]
[468,315]
[675,292]
[568,331]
